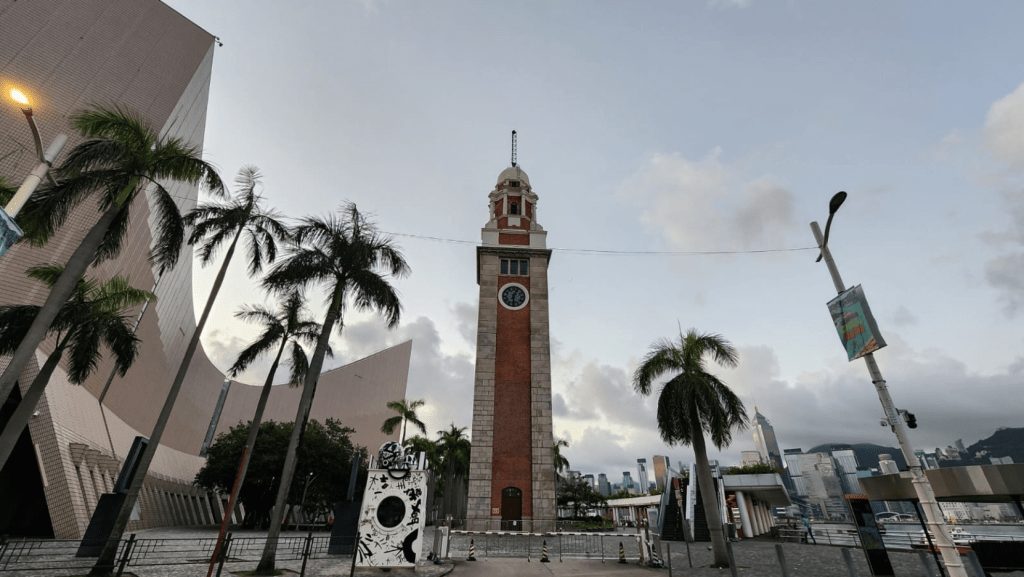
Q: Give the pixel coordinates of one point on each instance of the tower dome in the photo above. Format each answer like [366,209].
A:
[514,173]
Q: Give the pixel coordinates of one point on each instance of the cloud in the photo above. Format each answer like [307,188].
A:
[1004,128]
[1006,274]
[444,381]
[466,321]
[609,427]
[706,205]
[1004,137]
[730,3]
[903,317]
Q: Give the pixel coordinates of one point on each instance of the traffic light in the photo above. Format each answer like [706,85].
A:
[910,419]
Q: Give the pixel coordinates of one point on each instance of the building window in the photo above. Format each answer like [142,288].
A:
[515,267]
[514,183]
[513,208]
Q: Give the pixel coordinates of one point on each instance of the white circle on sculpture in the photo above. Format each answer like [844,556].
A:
[514,296]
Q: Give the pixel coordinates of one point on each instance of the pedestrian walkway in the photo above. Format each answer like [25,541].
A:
[754,558]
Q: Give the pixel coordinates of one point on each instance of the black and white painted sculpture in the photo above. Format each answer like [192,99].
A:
[392,517]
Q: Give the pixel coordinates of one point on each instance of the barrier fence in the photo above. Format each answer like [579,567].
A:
[560,545]
[54,554]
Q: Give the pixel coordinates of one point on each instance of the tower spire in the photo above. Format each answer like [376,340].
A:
[513,148]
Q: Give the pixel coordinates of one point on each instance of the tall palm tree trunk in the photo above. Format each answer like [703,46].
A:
[105,563]
[19,420]
[268,561]
[710,497]
[62,289]
[250,443]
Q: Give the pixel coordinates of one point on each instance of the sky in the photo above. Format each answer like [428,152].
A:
[679,151]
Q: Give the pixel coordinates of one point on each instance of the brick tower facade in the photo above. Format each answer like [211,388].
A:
[512,475]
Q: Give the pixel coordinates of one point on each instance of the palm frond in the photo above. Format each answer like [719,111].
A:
[299,365]
[115,123]
[14,323]
[170,229]
[114,237]
[390,424]
[266,342]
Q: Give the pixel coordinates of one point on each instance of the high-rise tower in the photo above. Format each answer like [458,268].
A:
[768,445]
[512,474]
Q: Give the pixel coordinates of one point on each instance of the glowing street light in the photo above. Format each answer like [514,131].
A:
[45,158]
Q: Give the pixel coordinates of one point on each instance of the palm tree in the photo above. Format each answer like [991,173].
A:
[123,157]
[692,403]
[561,463]
[352,260]
[212,225]
[406,414]
[94,315]
[455,449]
[287,326]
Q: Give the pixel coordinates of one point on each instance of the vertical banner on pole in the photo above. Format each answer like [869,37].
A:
[854,323]
[10,232]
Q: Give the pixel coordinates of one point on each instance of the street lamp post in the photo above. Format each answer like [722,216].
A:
[936,520]
[46,159]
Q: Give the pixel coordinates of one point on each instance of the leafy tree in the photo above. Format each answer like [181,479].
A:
[756,469]
[622,494]
[212,225]
[324,460]
[692,403]
[348,257]
[122,157]
[561,463]
[93,316]
[406,414]
[579,495]
[420,444]
[455,449]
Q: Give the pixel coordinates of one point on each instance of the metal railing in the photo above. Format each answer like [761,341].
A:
[54,554]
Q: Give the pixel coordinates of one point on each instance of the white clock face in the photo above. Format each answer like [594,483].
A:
[514,296]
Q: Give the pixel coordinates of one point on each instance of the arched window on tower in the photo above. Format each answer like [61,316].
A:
[513,208]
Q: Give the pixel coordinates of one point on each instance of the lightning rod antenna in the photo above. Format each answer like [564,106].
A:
[513,148]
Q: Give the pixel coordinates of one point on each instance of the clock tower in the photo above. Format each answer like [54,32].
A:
[511,473]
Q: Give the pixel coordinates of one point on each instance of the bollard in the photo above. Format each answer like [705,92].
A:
[224,552]
[655,559]
[668,554]
[307,548]
[849,563]
[472,551]
[544,552]
[732,559]
[622,553]
[127,554]
[782,560]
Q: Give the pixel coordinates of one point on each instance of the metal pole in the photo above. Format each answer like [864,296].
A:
[923,488]
[732,559]
[849,563]
[782,560]
[36,176]
[669,555]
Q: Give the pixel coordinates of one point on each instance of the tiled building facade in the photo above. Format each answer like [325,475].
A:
[66,55]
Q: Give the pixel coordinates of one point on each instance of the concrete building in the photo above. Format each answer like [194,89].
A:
[661,470]
[887,464]
[145,56]
[511,478]
[816,478]
[602,485]
[750,458]
[642,480]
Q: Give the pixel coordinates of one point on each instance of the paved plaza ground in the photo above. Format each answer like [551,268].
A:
[754,558]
